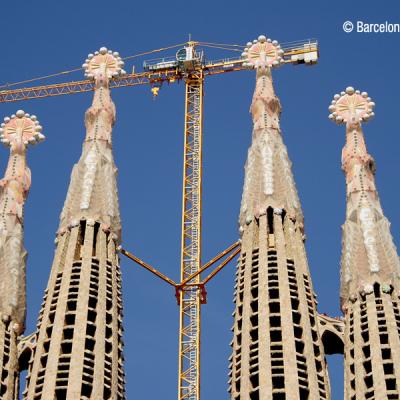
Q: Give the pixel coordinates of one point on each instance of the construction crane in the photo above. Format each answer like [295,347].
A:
[189,65]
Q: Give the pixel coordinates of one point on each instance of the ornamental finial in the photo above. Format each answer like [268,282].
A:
[262,52]
[351,106]
[103,63]
[20,129]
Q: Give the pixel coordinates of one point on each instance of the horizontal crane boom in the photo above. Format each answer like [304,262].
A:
[294,53]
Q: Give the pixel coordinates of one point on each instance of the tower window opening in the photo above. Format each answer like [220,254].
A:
[367,366]
[92,302]
[254,320]
[304,393]
[386,354]
[384,338]
[254,306]
[253,349]
[61,394]
[278,382]
[273,293]
[298,332]
[317,351]
[90,330]
[69,319]
[239,339]
[91,316]
[299,346]
[89,344]
[86,390]
[296,317]
[274,307]
[275,321]
[314,335]
[240,310]
[388,368]
[254,334]
[353,384]
[71,305]
[270,220]
[108,347]
[276,336]
[43,361]
[106,392]
[255,395]
[366,351]
[377,291]
[68,333]
[368,381]
[95,234]
[391,384]
[66,348]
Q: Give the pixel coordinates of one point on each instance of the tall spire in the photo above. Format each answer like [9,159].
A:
[268,177]
[17,133]
[277,349]
[92,193]
[369,254]
[370,267]
[78,351]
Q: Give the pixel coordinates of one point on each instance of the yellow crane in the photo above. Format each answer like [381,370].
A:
[190,66]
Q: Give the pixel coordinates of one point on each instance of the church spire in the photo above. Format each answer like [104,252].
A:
[277,351]
[268,177]
[370,266]
[17,133]
[369,255]
[93,194]
[78,349]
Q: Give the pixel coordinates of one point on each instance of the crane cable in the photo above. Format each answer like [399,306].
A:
[154,51]
[8,85]
[222,46]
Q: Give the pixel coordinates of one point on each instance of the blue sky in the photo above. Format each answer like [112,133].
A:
[45,36]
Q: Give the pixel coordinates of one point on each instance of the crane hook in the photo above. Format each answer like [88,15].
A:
[155,90]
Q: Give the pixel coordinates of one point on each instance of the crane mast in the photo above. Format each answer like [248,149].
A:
[190,296]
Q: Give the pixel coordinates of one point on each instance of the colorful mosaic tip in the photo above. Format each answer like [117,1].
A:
[103,61]
[261,52]
[351,105]
[21,127]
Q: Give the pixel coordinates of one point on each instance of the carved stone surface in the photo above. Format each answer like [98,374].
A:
[16,132]
[277,351]
[369,254]
[268,176]
[370,267]
[78,351]
[93,194]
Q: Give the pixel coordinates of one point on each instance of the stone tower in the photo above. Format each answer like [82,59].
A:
[16,132]
[370,268]
[78,351]
[277,349]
